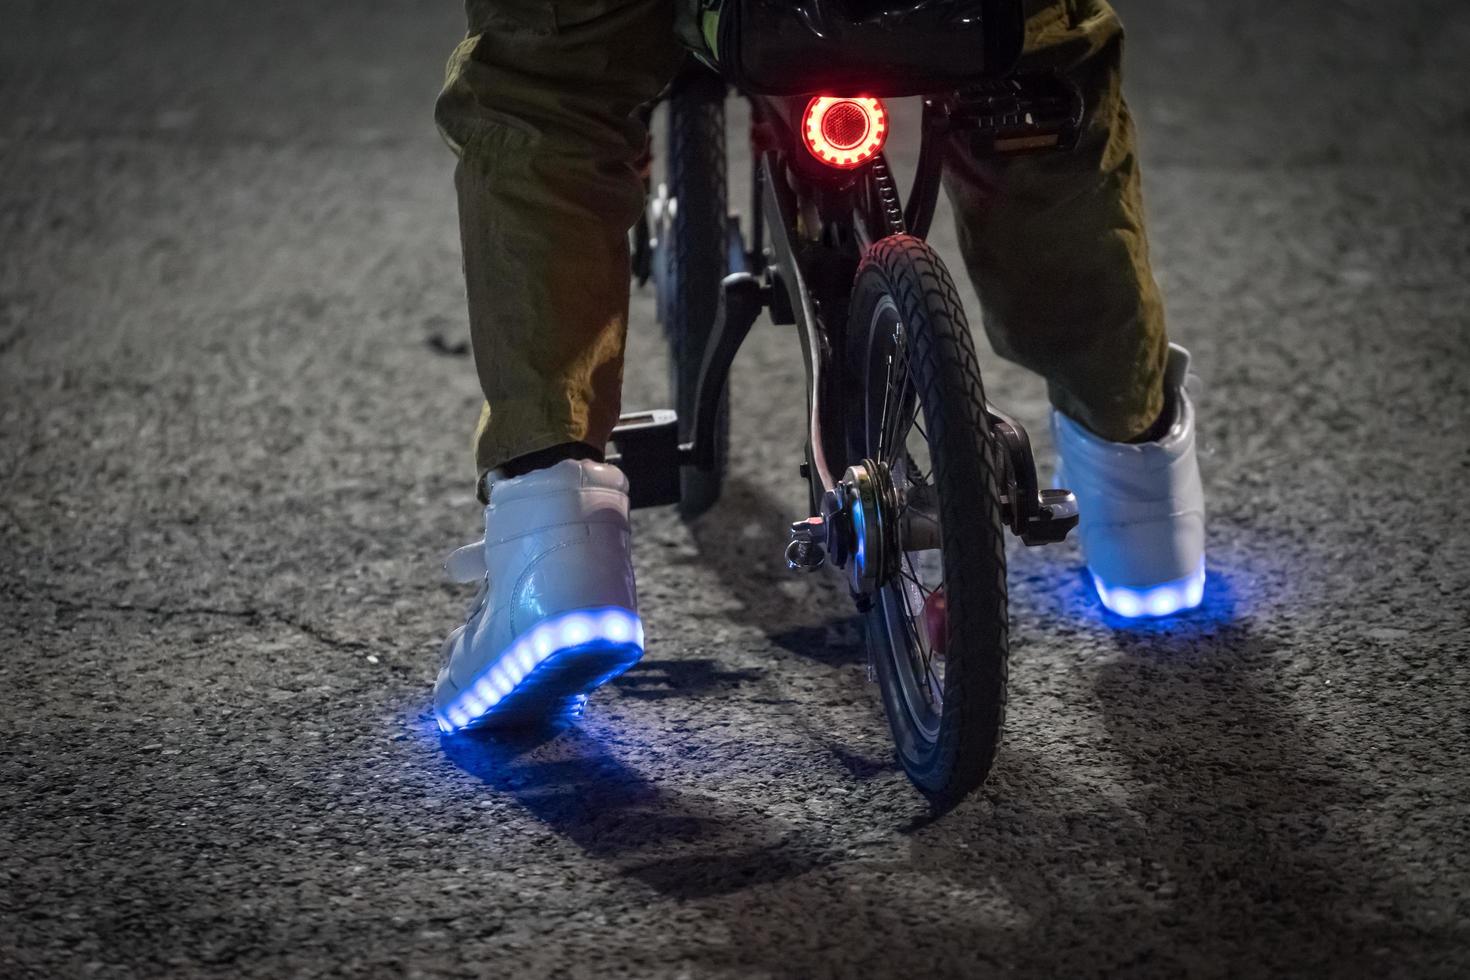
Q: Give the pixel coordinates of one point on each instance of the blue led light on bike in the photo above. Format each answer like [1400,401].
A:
[1155,601]
[614,627]
[860,532]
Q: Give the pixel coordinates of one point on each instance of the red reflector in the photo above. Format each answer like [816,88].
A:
[936,621]
[844,132]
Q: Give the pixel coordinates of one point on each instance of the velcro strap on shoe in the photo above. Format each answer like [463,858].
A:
[466,564]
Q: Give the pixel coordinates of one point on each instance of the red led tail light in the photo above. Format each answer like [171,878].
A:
[844,132]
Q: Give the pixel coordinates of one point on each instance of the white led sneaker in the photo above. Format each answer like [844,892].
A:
[557,612]
[1141,507]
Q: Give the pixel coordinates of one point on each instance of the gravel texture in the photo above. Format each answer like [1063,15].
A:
[233,451]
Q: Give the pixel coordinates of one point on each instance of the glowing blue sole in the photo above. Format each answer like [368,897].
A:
[548,672]
[1159,600]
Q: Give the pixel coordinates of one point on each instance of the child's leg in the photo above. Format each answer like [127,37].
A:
[1057,251]
[539,104]
[1055,244]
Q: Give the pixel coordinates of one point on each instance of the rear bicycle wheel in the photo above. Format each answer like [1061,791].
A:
[937,627]
[691,261]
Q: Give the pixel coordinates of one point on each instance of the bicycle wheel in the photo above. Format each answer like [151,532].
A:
[937,629]
[691,261]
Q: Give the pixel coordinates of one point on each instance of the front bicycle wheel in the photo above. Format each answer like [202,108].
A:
[937,625]
[691,261]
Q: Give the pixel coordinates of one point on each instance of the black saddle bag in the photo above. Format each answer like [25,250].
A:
[862,47]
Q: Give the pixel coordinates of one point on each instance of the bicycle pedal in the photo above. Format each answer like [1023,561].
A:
[1023,114]
[1055,518]
[648,451]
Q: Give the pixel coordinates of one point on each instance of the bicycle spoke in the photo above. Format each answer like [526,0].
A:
[901,431]
[891,407]
[901,419]
[928,660]
[918,653]
[892,431]
[912,576]
[892,444]
[887,391]
[936,695]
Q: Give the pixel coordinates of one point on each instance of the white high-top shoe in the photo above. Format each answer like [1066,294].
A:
[1142,508]
[557,612]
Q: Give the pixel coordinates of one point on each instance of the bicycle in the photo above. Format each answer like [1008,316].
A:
[914,476]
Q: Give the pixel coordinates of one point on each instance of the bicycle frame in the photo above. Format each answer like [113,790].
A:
[819,221]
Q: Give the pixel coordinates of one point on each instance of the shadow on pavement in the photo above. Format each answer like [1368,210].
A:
[1236,797]
[810,616]
[680,844]
[824,627]
[655,680]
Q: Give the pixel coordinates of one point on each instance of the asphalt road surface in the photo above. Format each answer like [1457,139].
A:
[233,452]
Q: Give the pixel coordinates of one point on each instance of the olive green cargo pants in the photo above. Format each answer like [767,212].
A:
[539,105]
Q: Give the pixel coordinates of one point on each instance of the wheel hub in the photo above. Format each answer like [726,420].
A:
[858,529]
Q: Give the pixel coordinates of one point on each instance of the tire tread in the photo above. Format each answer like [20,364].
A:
[947,379]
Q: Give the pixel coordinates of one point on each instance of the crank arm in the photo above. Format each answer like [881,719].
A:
[1034,515]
